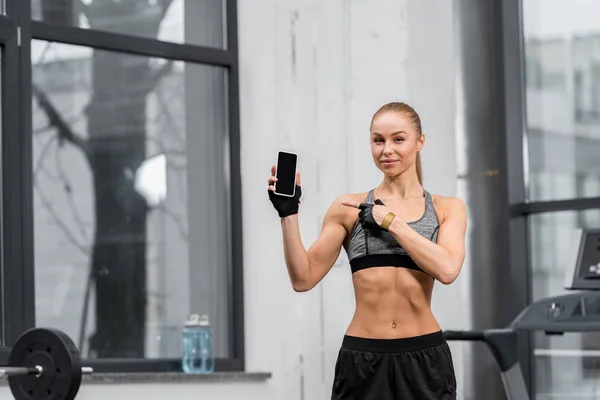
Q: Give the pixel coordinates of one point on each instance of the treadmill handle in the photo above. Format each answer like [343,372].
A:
[503,345]
[471,336]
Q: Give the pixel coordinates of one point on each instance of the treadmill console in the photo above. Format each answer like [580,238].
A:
[577,312]
[583,271]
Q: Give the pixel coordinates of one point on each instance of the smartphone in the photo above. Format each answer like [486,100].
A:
[286,174]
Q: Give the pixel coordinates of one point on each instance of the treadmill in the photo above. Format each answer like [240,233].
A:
[576,312]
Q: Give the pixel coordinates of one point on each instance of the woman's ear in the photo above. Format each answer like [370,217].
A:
[421,142]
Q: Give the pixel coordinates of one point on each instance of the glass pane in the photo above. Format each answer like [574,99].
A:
[562,57]
[199,22]
[568,364]
[126,179]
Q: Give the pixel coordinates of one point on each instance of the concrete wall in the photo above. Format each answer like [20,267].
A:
[310,82]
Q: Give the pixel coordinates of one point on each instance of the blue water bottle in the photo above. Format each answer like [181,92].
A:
[198,355]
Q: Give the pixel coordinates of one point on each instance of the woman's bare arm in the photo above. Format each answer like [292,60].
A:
[307,268]
[442,260]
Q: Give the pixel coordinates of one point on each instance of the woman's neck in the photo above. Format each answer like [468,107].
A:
[402,186]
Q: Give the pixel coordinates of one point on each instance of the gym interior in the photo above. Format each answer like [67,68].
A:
[114,235]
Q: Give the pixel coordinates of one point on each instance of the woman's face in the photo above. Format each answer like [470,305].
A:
[394,142]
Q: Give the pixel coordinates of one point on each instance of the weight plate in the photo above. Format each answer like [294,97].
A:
[56,353]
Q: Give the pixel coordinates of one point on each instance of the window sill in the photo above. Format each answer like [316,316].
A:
[168,377]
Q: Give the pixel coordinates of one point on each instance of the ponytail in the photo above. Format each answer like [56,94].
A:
[419,168]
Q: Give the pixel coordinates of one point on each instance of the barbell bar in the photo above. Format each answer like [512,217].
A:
[37,371]
[44,364]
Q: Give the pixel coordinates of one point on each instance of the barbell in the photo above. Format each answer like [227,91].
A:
[44,364]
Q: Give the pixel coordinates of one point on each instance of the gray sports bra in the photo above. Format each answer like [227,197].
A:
[380,248]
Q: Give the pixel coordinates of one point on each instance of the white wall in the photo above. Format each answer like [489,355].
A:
[312,73]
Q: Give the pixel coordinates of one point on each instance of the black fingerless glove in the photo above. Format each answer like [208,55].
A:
[365,216]
[284,205]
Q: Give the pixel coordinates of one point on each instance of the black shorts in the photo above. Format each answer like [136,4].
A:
[416,368]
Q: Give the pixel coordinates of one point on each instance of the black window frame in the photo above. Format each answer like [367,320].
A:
[17,292]
[515,285]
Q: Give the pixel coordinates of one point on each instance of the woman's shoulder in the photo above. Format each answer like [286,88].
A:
[445,200]
[447,205]
[337,206]
[359,197]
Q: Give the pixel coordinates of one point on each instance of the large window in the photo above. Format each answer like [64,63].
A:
[130,203]
[561,55]
[200,22]
[562,60]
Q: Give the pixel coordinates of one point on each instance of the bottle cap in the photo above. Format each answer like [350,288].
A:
[204,321]
[197,320]
[193,320]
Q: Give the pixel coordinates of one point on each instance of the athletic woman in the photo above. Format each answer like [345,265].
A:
[399,239]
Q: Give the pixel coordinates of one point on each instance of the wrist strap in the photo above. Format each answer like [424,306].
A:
[387,220]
